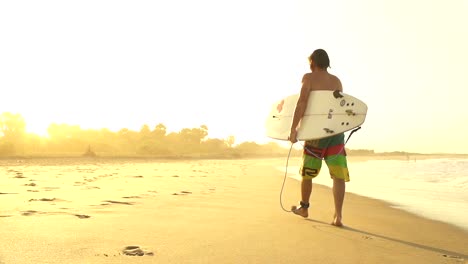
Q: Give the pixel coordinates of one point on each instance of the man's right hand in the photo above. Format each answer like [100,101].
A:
[293,136]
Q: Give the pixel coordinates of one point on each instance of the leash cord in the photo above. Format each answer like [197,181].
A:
[284,180]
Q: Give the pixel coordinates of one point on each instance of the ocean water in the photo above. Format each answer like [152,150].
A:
[432,188]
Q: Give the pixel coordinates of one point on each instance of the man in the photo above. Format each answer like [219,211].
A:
[331,149]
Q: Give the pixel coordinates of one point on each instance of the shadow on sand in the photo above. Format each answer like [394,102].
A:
[369,235]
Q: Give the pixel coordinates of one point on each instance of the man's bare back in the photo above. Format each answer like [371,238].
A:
[321,80]
[318,79]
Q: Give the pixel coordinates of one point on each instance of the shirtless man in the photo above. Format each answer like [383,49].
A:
[330,149]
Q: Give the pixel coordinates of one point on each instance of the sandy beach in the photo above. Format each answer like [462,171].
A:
[199,211]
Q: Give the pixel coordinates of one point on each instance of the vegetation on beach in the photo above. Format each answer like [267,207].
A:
[71,140]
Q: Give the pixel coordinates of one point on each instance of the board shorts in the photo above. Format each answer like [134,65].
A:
[330,149]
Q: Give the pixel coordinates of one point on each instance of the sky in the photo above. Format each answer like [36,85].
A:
[122,64]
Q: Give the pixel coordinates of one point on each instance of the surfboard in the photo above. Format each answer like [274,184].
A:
[328,113]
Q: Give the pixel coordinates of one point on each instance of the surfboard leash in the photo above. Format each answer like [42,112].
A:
[352,132]
[284,180]
[287,164]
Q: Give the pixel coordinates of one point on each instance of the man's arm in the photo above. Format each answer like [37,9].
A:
[300,107]
[340,87]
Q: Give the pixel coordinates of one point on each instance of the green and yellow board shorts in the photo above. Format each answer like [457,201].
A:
[330,149]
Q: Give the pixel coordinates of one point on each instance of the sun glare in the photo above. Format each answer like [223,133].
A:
[37,126]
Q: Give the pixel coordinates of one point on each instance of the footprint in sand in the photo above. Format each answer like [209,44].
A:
[44,200]
[91,187]
[118,202]
[48,189]
[33,212]
[136,251]
[182,193]
[29,213]
[19,175]
[82,216]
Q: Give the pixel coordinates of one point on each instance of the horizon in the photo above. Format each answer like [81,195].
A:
[116,65]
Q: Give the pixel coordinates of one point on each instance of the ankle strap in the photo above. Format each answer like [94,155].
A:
[304,205]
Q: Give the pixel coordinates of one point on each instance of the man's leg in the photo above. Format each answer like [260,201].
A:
[335,157]
[306,191]
[310,169]
[339,188]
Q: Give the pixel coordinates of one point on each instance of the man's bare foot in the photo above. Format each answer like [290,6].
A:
[337,222]
[304,212]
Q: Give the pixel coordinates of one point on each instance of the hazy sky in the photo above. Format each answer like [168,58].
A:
[221,63]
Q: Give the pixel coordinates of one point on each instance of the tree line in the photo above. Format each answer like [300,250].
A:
[71,140]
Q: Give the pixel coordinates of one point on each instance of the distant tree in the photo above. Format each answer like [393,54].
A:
[106,136]
[12,133]
[230,141]
[159,131]
[128,140]
[272,148]
[248,148]
[123,132]
[105,141]
[12,125]
[174,143]
[214,145]
[145,129]
[193,135]
[145,132]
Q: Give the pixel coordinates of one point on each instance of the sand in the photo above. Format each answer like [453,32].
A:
[208,211]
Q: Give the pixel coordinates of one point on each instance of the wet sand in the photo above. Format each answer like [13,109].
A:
[199,211]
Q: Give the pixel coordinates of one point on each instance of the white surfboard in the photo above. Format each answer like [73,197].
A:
[328,113]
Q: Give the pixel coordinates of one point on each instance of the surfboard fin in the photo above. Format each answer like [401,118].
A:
[337,94]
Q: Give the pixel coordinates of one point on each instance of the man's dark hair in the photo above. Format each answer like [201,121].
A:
[320,58]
